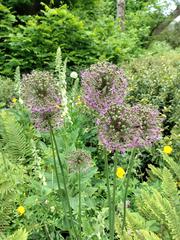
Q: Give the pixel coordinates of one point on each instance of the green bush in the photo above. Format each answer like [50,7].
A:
[7,91]
[34,44]
[84,34]
[171,36]
[6,27]
[154,80]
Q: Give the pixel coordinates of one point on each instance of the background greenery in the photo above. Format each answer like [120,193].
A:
[87,33]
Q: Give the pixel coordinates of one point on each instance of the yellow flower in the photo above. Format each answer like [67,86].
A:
[120,172]
[20,210]
[78,100]
[167,149]
[14,100]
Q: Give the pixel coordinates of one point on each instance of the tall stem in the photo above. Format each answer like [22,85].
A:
[79,183]
[129,170]
[57,177]
[113,198]
[64,180]
[108,187]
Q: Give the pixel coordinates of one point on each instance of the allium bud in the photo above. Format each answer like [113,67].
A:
[124,127]
[103,84]
[74,75]
[41,95]
[79,158]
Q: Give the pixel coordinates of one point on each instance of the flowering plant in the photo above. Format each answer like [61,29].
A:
[103,84]
[124,127]
[41,95]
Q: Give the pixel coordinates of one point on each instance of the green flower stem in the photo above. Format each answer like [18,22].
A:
[108,187]
[79,183]
[113,198]
[47,232]
[57,177]
[64,180]
[129,170]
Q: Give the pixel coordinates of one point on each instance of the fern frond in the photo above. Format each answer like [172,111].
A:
[170,190]
[136,228]
[156,171]
[174,167]
[13,137]
[20,234]
[11,178]
[135,221]
[118,229]
[172,218]
[146,235]
[149,204]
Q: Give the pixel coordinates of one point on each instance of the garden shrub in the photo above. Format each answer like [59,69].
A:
[35,43]
[6,27]
[154,80]
[170,35]
[85,35]
[7,91]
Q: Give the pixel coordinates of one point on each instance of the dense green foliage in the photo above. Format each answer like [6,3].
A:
[154,79]
[33,197]
[85,34]
[158,206]
[171,35]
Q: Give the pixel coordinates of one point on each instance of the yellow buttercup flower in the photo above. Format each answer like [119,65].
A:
[120,172]
[21,210]
[14,100]
[167,149]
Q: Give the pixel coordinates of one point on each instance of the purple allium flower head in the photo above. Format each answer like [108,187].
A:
[40,94]
[103,84]
[79,158]
[123,127]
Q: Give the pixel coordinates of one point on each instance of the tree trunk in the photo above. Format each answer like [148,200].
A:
[161,26]
[121,12]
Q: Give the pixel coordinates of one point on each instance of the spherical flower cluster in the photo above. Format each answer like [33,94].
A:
[124,127]
[41,95]
[79,159]
[103,84]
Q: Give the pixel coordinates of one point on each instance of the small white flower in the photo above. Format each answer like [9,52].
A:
[46,202]
[74,75]
[52,208]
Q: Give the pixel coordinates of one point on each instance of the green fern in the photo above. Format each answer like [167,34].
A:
[173,166]
[161,205]
[11,177]
[13,138]
[147,235]
[20,234]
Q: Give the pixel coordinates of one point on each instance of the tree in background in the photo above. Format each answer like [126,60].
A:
[120,12]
